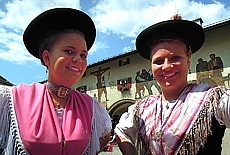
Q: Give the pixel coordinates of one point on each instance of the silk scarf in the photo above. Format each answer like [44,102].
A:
[165,136]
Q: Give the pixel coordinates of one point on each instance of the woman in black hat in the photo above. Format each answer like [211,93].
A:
[52,118]
[184,118]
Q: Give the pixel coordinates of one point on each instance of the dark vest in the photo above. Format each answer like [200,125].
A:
[214,141]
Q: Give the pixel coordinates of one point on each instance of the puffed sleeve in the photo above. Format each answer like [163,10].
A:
[103,120]
[220,97]
[127,126]
[101,127]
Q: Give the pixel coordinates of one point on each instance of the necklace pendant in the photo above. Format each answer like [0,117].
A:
[59,91]
[63,144]
[167,106]
[62,92]
[156,136]
[58,105]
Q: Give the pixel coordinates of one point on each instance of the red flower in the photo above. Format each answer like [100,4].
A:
[176,17]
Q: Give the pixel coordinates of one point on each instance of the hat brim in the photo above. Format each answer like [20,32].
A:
[54,20]
[189,31]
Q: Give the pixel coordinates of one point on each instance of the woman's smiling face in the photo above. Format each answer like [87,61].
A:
[170,64]
[67,59]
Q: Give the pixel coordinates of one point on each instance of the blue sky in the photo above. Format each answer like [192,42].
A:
[118,22]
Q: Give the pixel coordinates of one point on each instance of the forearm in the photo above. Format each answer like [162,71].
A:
[126,147]
[104,141]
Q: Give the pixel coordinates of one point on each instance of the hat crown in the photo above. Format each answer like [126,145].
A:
[55,20]
[186,30]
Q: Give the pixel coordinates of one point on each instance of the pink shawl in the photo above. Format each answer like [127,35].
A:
[39,127]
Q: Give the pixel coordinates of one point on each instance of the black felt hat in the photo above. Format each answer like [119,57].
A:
[189,31]
[54,20]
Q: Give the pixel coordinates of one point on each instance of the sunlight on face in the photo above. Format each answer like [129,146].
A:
[68,59]
[170,64]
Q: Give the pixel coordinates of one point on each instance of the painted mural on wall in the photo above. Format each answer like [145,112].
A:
[207,71]
[144,81]
[101,82]
[210,72]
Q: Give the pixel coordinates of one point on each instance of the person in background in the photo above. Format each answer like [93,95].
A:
[184,119]
[154,82]
[52,118]
[215,67]
[201,71]
[140,89]
[146,76]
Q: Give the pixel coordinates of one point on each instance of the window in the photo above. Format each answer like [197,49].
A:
[124,62]
[124,84]
[82,89]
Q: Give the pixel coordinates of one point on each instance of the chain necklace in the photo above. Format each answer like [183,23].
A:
[60,113]
[157,134]
[61,92]
[168,102]
[167,105]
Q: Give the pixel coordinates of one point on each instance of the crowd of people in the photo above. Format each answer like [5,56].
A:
[52,118]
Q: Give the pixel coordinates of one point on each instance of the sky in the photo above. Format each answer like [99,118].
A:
[118,22]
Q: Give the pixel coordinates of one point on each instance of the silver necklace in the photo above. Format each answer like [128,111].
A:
[169,102]
[157,136]
[167,105]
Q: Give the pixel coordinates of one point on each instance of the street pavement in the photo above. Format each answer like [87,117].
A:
[225,145]
[115,151]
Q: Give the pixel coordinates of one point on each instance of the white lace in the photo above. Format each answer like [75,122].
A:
[60,113]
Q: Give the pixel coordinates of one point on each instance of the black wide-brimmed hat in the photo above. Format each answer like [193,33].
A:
[188,31]
[54,20]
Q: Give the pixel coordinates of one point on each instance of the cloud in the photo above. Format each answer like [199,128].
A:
[13,22]
[20,13]
[98,45]
[128,18]
[124,18]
